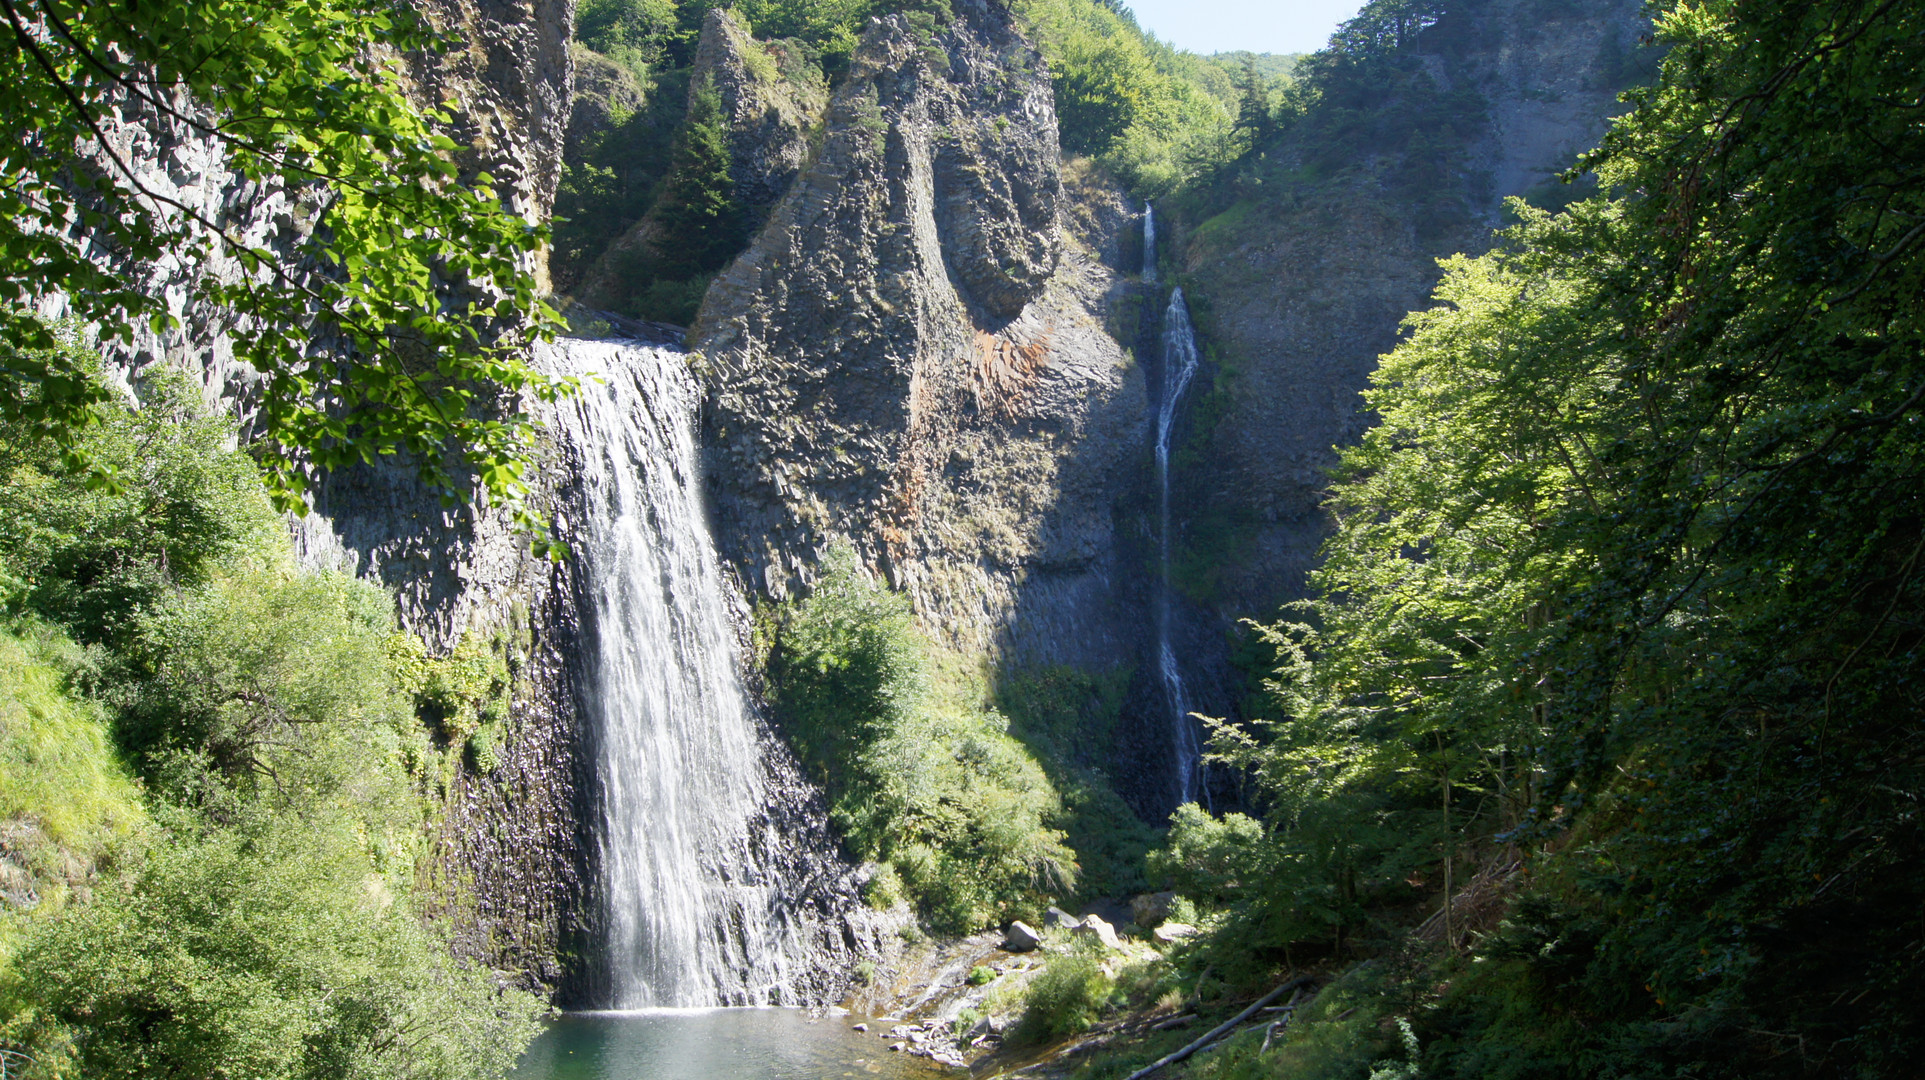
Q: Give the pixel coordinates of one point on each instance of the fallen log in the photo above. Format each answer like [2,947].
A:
[1211,1035]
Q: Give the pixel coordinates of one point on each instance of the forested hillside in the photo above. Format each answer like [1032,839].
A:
[1599,734]
[1568,677]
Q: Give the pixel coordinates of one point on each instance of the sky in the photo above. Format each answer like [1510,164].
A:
[1275,26]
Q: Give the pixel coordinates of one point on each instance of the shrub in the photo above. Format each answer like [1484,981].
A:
[921,773]
[272,950]
[1065,999]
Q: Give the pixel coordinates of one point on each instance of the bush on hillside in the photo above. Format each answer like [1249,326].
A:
[921,773]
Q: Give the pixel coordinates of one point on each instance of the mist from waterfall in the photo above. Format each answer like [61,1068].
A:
[692,914]
[1179,369]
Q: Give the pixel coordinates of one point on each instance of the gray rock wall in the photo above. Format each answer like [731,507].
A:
[913,354]
[1300,300]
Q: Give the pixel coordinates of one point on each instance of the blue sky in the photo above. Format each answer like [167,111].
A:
[1277,26]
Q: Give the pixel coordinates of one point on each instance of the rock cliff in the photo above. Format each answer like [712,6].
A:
[1301,295]
[772,99]
[913,354]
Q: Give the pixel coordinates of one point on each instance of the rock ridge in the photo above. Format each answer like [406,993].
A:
[913,354]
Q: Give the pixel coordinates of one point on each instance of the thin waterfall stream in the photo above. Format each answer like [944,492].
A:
[693,913]
[1180,361]
[1179,369]
[1149,242]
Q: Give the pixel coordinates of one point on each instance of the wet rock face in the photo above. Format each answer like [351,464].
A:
[913,353]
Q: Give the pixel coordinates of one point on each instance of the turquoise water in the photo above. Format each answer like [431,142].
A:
[716,1044]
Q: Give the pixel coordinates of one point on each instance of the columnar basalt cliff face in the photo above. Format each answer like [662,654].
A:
[912,354]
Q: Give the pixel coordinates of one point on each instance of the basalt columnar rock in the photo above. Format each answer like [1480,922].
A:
[913,354]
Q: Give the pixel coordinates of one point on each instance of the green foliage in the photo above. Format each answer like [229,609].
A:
[703,221]
[1065,999]
[1208,858]
[610,178]
[94,556]
[69,807]
[304,97]
[271,676]
[1626,581]
[264,927]
[273,949]
[1155,116]
[1065,716]
[641,29]
[920,772]
[1342,1033]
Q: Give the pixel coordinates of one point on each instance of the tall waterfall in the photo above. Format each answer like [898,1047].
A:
[1179,368]
[1149,242]
[694,913]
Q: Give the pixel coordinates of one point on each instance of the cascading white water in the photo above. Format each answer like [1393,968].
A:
[1149,242]
[1179,368]
[692,918]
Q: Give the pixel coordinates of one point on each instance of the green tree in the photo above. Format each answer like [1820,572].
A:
[1628,578]
[306,99]
[180,504]
[620,28]
[703,222]
[920,773]
[275,949]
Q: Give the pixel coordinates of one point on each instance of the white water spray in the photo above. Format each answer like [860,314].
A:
[1149,242]
[1179,368]
[692,916]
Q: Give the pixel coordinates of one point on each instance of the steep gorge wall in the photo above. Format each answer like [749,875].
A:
[1300,296]
[913,355]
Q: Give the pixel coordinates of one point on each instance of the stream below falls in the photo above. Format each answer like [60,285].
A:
[716,1044]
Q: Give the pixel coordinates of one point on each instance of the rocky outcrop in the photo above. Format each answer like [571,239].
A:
[913,354]
[605,93]
[773,99]
[1301,297]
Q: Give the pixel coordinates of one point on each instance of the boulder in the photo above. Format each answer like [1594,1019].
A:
[1096,927]
[1151,910]
[1174,931]
[1058,919]
[1020,937]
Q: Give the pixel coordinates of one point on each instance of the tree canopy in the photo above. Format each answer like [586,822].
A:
[387,306]
[1625,589]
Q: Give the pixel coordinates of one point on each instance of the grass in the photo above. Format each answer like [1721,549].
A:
[57,767]
[68,806]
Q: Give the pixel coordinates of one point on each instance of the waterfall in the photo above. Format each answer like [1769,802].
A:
[1179,368]
[693,911]
[1149,242]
